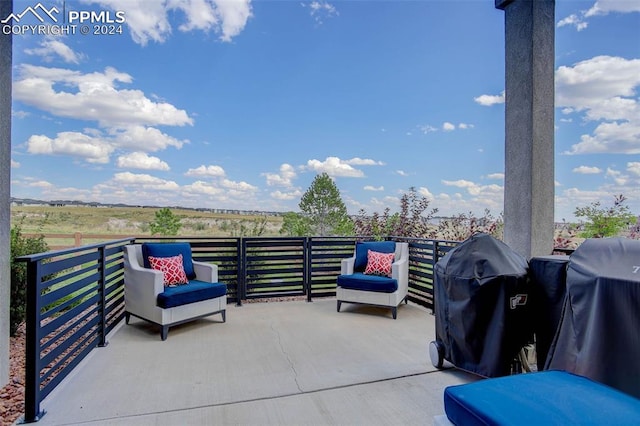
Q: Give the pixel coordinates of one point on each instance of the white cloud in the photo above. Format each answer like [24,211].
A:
[286,196]
[402,173]
[603,89]
[465,126]
[75,144]
[574,20]
[474,188]
[144,181]
[617,176]
[141,138]
[356,161]
[337,167]
[205,188]
[238,186]
[206,171]
[633,167]
[426,128]
[321,10]
[599,8]
[14,164]
[149,20]
[587,170]
[284,178]
[448,127]
[496,176]
[604,7]
[40,184]
[373,188]
[141,160]
[93,96]
[488,100]
[424,191]
[51,48]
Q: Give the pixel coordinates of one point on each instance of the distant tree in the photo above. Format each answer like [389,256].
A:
[324,209]
[605,221]
[295,225]
[165,223]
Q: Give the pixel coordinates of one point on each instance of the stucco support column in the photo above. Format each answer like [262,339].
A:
[6,7]
[529,125]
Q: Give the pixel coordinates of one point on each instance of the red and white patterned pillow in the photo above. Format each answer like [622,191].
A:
[172,268]
[379,263]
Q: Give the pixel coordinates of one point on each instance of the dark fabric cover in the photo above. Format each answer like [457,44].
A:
[169,250]
[360,281]
[544,398]
[195,291]
[362,249]
[548,278]
[482,305]
[598,336]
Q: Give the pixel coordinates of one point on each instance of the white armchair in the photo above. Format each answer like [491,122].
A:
[354,286]
[146,297]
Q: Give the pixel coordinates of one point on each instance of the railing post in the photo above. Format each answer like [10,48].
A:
[77,239]
[307,256]
[434,260]
[102,309]
[241,279]
[32,411]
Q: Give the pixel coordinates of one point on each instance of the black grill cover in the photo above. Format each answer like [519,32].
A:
[548,278]
[599,333]
[482,305]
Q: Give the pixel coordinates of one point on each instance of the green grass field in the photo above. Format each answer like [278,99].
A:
[134,221]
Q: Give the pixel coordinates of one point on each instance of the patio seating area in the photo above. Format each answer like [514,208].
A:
[291,362]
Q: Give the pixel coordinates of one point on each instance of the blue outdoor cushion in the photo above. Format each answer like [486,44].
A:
[360,281]
[362,249]
[548,397]
[195,291]
[169,250]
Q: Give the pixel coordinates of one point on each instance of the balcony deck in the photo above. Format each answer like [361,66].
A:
[270,363]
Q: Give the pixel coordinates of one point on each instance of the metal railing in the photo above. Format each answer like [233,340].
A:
[75,297]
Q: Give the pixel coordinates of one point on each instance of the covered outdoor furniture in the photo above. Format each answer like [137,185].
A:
[548,397]
[147,295]
[368,280]
[482,307]
[597,335]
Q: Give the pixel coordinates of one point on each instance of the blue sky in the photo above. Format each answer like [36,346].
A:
[239,104]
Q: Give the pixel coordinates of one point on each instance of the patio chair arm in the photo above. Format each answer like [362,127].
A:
[400,272]
[346,265]
[144,283]
[207,272]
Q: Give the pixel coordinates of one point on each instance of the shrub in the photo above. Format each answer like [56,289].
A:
[605,221]
[21,246]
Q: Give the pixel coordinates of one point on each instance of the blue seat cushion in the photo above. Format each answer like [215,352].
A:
[195,291]
[362,248]
[360,281]
[548,397]
[169,250]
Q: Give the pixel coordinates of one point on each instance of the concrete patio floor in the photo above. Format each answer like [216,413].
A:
[280,363]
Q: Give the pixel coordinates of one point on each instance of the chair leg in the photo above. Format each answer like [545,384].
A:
[127,316]
[224,316]
[164,332]
[339,303]
[394,312]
